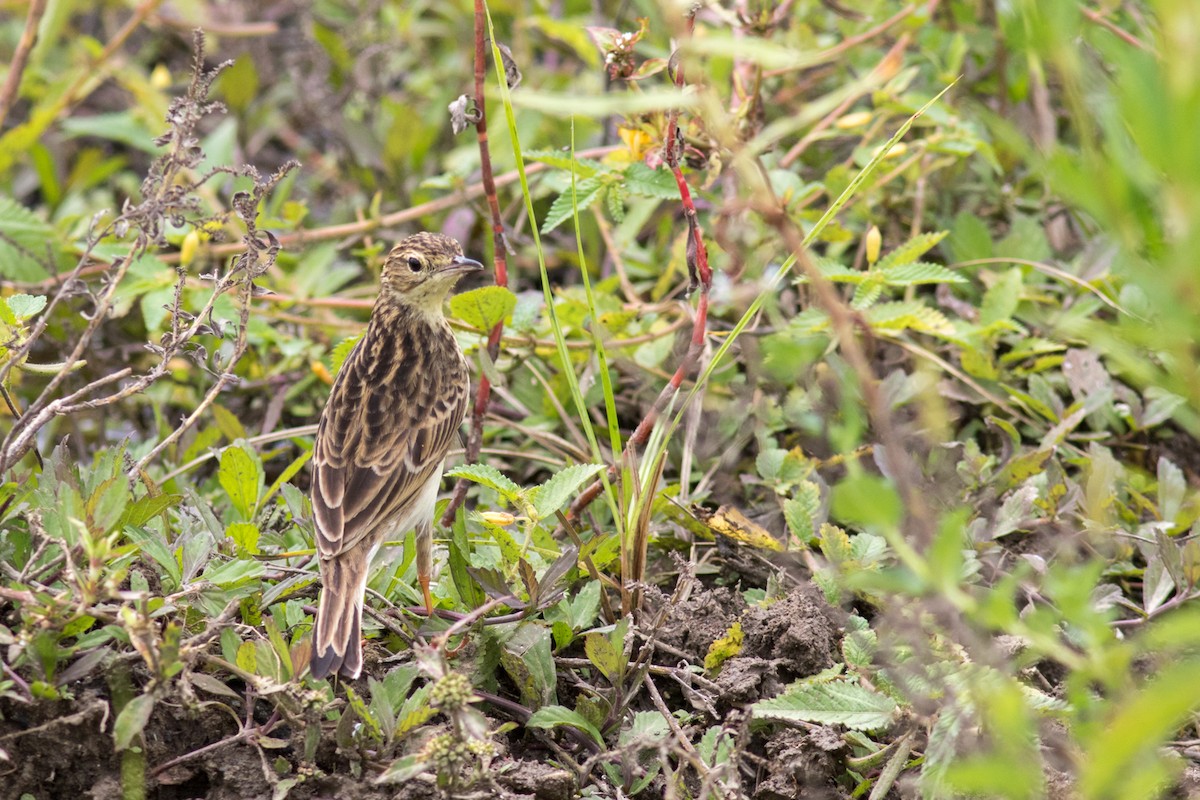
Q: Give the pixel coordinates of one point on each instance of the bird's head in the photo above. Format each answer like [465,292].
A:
[422,269]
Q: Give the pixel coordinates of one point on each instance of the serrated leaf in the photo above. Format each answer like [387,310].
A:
[554,493]
[646,182]
[549,717]
[802,509]
[484,307]
[23,240]
[587,191]
[913,315]
[583,167]
[833,703]
[911,250]
[132,720]
[491,478]
[342,352]
[919,272]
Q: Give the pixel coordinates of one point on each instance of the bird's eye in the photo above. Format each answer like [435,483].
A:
[414,263]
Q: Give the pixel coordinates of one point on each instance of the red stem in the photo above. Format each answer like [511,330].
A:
[499,259]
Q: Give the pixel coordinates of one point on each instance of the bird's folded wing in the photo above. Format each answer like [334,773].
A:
[383,434]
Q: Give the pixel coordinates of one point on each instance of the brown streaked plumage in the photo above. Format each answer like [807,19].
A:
[394,410]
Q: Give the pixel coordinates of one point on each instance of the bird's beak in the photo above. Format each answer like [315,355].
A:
[460,265]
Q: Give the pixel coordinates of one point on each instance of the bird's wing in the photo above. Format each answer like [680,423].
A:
[389,421]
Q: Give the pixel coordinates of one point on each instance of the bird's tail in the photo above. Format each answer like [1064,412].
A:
[337,640]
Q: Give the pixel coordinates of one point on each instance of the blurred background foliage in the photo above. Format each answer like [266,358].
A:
[992,483]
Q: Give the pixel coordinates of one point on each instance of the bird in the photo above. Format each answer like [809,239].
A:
[394,410]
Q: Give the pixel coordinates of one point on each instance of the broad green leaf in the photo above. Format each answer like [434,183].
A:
[132,720]
[233,572]
[970,238]
[490,477]
[1001,300]
[239,82]
[554,493]
[604,655]
[484,307]
[527,659]
[548,717]
[833,703]
[24,306]
[244,535]
[867,500]
[241,478]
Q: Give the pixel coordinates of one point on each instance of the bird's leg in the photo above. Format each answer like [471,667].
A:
[424,581]
[424,537]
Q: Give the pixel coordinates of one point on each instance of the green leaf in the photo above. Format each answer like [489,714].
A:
[245,536]
[241,477]
[833,703]
[867,500]
[554,493]
[132,720]
[484,307]
[342,352]
[970,238]
[587,192]
[604,655]
[1001,300]
[646,182]
[24,306]
[239,83]
[527,659]
[233,572]
[548,717]
[801,511]
[403,769]
[919,272]
[491,478]
[911,250]
[23,240]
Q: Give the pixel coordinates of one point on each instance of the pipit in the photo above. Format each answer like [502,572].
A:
[381,444]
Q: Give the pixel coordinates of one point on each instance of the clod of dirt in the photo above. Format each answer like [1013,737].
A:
[801,629]
[702,619]
[537,780]
[800,765]
[790,639]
